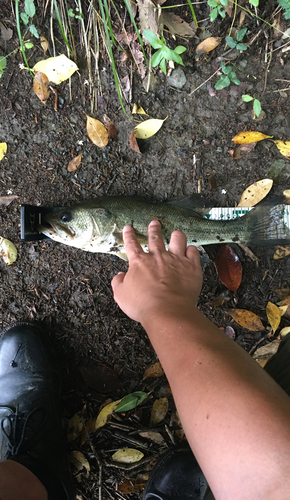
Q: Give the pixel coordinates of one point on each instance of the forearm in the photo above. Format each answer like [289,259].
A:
[235,416]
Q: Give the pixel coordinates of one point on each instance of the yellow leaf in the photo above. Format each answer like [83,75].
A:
[8,251]
[273,315]
[284,147]
[74,163]
[40,86]
[57,69]
[207,45]
[285,331]
[75,427]
[127,456]
[3,150]
[283,309]
[105,413]
[148,128]
[286,193]
[44,44]
[247,319]
[97,132]
[155,371]
[255,193]
[286,302]
[159,410]
[80,462]
[248,137]
[281,252]
[264,353]
[138,110]
[156,437]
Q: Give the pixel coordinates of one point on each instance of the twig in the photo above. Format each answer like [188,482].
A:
[98,461]
[257,343]
[268,65]
[201,85]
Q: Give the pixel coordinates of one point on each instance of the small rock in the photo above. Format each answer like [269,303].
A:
[177,78]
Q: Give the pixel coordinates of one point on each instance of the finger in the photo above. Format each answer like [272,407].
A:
[117,280]
[132,246]
[193,255]
[155,241]
[177,243]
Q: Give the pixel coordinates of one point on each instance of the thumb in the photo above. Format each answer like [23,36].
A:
[117,280]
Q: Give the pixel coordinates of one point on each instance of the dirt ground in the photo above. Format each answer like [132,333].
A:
[69,290]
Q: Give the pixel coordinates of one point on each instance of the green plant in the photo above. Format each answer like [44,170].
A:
[228,76]
[256,103]
[3,63]
[255,3]
[3,59]
[285,4]
[163,53]
[77,15]
[235,44]
[29,13]
[217,8]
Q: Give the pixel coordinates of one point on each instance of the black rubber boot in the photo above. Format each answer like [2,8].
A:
[177,476]
[279,365]
[30,408]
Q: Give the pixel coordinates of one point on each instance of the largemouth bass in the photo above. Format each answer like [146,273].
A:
[96,225]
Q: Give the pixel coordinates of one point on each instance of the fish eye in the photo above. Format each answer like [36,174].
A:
[66,217]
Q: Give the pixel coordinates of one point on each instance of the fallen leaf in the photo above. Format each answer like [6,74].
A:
[286,302]
[40,86]
[3,150]
[6,200]
[154,371]
[8,251]
[57,69]
[276,169]
[74,163]
[281,252]
[129,486]
[111,127]
[105,413]
[273,315]
[44,44]
[131,401]
[285,331]
[221,299]
[242,150]
[148,128]
[75,427]
[175,24]
[97,132]
[207,45]
[101,377]
[255,193]
[247,319]
[229,268]
[159,411]
[147,16]
[283,292]
[156,437]
[249,137]
[284,147]
[138,57]
[286,193]
[6,33]
[264,353]
[138,110]
[80,462]
[133,143]
[249,253]
[127,456]
[175,420]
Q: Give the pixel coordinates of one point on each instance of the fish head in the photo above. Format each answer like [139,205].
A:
[78,226]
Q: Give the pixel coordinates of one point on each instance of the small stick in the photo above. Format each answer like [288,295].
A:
[206,80]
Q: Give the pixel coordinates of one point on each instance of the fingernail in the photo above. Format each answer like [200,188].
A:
[126,229]
[154,223]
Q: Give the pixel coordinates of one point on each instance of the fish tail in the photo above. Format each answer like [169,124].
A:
[269,225]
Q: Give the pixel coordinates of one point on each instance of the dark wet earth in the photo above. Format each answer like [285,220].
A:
[68,289]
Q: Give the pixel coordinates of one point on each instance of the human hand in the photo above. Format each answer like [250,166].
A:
[158,282]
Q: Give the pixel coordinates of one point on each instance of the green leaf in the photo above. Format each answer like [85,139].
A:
[257,107]
[213,14]
[29,8]
[151,37]
[221,12]
[163,65]
[175,57]
[241,34]
[231,42]
[156,58]
[131,401]
[236,80]
[247,98]
[33,30]
[223,82]
[3,63]
[179,49]
[255,3]
[167,53]
[285,4]
[241,46]
[226,69]
[224,3]
[24,18]
[28,45]
[212,3]
[71,13]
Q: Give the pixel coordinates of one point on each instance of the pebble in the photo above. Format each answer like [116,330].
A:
[177,78]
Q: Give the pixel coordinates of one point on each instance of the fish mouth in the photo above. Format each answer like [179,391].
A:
[49,226]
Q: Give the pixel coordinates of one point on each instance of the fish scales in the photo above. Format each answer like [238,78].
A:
[96,225]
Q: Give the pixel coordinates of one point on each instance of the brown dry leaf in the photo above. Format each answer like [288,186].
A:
[207,45]
[242,150]
[229,267]
[285,331]
[133,143]
[159,411]
[147,16]
[74,163]
[281,252]
[80,462]
[249,137]
[75,427]
[105,414]
[40,86]
[6,200]
[44,44]
[273,315]
[264,353]
[247,319]
[138,57]
[255,193]
[156,437]
[229,9]
[127,456]
[284,147]
[6,33]
[129,486]
[154,371]
[282,292]
[111,127]
[175,24]
[221,299]
[286,302]
[97,132]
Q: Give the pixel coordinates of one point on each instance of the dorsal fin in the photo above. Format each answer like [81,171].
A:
[195,203]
